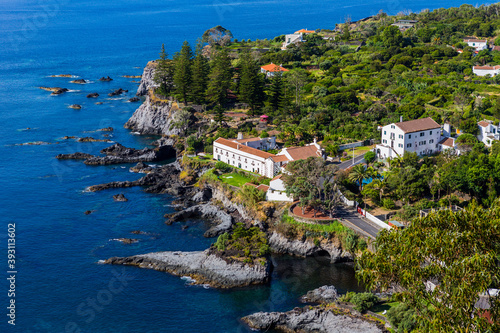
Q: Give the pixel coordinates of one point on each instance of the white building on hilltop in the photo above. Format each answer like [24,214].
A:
[486,70]
[420,136]
[488,132]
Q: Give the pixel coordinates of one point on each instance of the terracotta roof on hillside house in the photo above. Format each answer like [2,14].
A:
[418,125]
[487,67]
[483,123]
[248,140]
[273,68]
[304,31]
[279,158]
[447,142]
[302,153]
[243,148]
[263,187]
[277,177]
[475,40]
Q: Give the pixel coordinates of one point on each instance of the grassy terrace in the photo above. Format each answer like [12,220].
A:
[235,179]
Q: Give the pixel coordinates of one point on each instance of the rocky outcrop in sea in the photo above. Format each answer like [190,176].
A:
[324,294]
[308,320]
[306,248]
[117,154]
[203,267]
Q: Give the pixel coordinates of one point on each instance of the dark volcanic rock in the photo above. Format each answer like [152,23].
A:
[164,179]
[88,212]
[207,211]
[141,168]
[79,81]
[59,91]
[325,294]
[75,156]
[105,79]
[126,240]
[134,99]
[305,320]
[93,95]
[91,139]
[119,197]
[75,106]
[107,129]
[205,268]
[117,92]
[119,154]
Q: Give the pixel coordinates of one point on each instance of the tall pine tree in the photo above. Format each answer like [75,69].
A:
[182,74]
[251,89]
[164,73]
[199,76]
[220,78]
[276,91]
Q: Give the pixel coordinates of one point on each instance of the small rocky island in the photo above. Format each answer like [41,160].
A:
[235,260]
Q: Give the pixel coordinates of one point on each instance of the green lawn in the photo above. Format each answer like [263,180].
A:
[380,308]
[235,179]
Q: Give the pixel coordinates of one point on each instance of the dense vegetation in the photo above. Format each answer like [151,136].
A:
[458,252]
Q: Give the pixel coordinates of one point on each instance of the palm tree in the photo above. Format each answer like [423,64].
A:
[358,173]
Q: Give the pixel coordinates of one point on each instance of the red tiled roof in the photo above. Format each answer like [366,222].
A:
[243,148]
[263,187]
[487,67]
[447,142]
[417,125]
[273,68]
[277,177]
[248,140]
[495,48]
[483,123]
[302,153]
[473,40]
[279,158]
[304,31]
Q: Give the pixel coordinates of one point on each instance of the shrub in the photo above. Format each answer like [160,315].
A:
[221,166]
[388,203]
[208,149]
[402,318]
[363,301]
[264,134]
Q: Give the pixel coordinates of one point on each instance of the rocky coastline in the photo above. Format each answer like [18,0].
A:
[202,266]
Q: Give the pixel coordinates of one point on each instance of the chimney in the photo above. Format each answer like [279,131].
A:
[446,130]
[400,119]
[238,146]
[240,136]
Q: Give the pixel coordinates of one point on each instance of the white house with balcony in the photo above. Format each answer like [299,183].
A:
[421,136]
[277,191]
[488,132]
[477,44]
[486,70]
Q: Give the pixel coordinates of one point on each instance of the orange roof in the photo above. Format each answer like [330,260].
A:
[483,123]
[447,142]
[279,158]
[304,31]
[487,67]
[277,177]
[418,125]
[243,148]
[263,187]
[475,40]
[273,68]
[248,140]
[302,153]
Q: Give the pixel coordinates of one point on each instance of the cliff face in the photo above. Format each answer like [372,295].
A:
[147,79]
[152,118]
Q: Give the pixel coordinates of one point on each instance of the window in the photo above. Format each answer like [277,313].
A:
[400,145]
[409,136]
[392,126]
[384,141]
[400,136]
[431,141]
[422,133]
[385,132]
[436,145]
[430,132]
[408,145]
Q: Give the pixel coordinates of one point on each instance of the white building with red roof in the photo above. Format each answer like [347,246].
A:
[277,191]
[488,132]
[486,70]
[477,44]
[272,69]
[421,136]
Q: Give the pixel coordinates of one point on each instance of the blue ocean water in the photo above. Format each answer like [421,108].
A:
[59,285]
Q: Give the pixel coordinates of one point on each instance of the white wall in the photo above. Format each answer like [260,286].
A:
[241,159]
[276,191]
[484,72]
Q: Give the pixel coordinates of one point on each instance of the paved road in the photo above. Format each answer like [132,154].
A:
[347,164]
[353,217]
